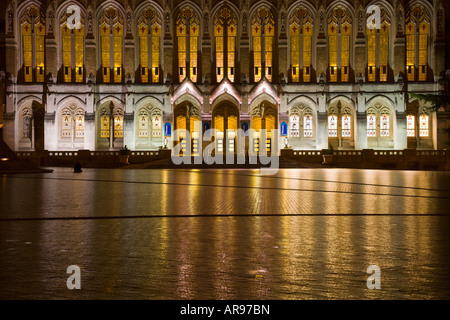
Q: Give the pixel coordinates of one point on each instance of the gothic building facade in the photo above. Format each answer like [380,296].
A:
[100,75]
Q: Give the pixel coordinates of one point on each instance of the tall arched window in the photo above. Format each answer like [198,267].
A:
[72,49]
[417,38]
[33,44]
[111,35]
[301,31]
[424,125]
[187,119]
[378,121]
[410,125]
[225,121]
[378,49]
[340,126]
[225,32]
[149,30]
[301,122]
[339,38]
[71,128]
[263,39]
[263,117]
[188,31]
[111,126]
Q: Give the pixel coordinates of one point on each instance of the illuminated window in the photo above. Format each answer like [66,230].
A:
[72,124]
[371,125]
[111,35]
[384,51]
[339,122]
[417,33]
[79,124]
[263,35]
[384,125]
[307,126]
[301,31]
[294,126]
[149,30]
[66,120]
[118,126]
[72,49]
[156,123]
[378,49]
[410,51]
[225,32]
[143,125]
[345,52]
[339,34]
[371,53]
[424,125]
[346,125]
[423,49]
[332,51]
[33,45]
[332,126]
[104,126]
[188,30]
[410,126]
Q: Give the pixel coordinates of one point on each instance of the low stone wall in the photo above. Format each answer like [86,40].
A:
[91,159]
[408,159]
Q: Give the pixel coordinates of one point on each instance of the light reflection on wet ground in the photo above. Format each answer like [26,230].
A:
[225,234]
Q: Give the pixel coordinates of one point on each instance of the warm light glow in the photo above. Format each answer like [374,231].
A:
[384,126]
[225,87]
[346,126]
[371,125]
[410,51]
[118,126]
[332,51]
[423,126]
[294,126]
[332,126]
[410,126]
[307,126]
[187,88]
[104,126]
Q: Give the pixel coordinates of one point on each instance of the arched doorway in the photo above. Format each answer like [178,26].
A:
[263,117]
[187,119]
[225,121]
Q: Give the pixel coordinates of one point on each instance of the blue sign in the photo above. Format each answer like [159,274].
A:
[167,129]
[283,128]
[245,126]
